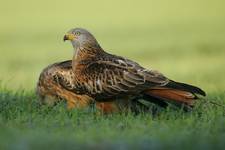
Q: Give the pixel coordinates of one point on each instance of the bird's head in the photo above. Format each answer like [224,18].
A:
[80,38]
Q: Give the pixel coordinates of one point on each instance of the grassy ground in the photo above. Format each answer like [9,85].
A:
[185,40]
[27,125]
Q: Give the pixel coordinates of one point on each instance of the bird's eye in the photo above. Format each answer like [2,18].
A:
[77,33]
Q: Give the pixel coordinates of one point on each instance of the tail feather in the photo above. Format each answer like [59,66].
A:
[185,87]
[179,93]
[172,95]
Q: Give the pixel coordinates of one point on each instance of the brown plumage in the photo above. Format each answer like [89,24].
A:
[106,77]
[50,90]
[114,82]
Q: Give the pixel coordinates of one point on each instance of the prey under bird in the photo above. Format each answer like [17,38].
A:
[106,77]
[50,91]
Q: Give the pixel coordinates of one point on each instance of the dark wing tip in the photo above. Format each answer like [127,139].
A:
[201,92]
[186,87]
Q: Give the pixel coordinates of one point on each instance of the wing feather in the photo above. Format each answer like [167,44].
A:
[116,76]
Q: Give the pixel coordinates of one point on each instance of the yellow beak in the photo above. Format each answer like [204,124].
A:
[69,36]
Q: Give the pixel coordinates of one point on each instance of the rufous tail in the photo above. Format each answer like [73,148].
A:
[179,93]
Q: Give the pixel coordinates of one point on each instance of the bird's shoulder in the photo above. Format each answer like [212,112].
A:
[106,61]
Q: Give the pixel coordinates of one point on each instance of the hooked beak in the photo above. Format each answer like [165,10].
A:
[69,36]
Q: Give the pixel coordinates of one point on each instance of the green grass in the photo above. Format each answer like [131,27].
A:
[185,40]
[27,125]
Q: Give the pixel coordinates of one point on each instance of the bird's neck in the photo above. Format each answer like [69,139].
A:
[84,56]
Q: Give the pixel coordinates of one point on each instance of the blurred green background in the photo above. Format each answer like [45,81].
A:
[184,39]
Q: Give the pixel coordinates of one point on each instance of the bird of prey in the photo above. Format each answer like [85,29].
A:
[105,77]
[51,89]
